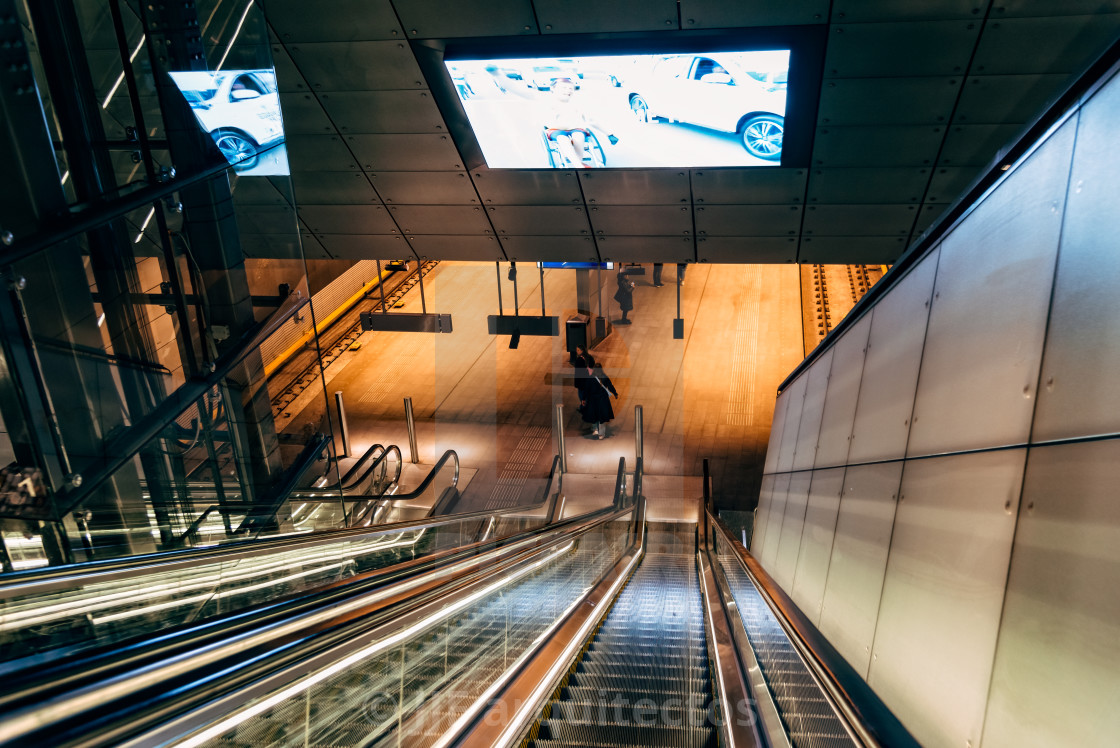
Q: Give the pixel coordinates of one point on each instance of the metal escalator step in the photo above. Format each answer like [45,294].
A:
[642,711]
[596,682]
[628,734]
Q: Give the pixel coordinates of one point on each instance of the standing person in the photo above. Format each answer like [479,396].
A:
[594,400]
[624,296]
[681,267]
[657,268]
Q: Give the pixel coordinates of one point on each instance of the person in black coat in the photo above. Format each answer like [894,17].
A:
[595,389]
[625,297]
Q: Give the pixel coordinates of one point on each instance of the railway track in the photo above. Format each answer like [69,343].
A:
[302,370]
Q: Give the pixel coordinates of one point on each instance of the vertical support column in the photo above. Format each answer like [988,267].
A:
[638,432]
[343,427]
[410,422]
[560,438]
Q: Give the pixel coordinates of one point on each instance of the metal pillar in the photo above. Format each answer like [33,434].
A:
[343,427]
[560,438]
[637,432]
[410,422]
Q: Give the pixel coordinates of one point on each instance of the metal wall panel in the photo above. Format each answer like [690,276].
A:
[636,220]
[948,182]
[859,220]
[748,220]
[866,250]
[984,345]
[850,606]
[809,428]
[773,527]
[646,248]
[635,187]
[890,369]
[1058,44]
[383,111]
[593,16]
[441,219]
[319,153]
[457,247]
[539,220]
[425,187]
[551,248]
[765,497]
[988,99]
[405,152]
[365,246]
[526,187]
[789,542]
[750,249]
[702,14]
[943,593]
[357,66]
[778,425]
[348,21]
[332,188]
[1080,393]
[840,401]
[859,11]
[887,101]
[774,186]
[877,145]
[904,48]
[796,394]
[1055,679]
[303,115]
[855,185]
[433,19]
[816,541]
[975,145]
[347,219]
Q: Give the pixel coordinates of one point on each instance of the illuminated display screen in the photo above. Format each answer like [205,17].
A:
[644,111]
[241,111]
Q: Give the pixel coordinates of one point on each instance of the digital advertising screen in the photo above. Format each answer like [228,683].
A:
[241,111]
[627,111]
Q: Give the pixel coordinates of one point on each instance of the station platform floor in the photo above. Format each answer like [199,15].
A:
[710,395]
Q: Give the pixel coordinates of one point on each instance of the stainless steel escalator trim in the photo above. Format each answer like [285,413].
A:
[198,725]
[733,691]
[869,721]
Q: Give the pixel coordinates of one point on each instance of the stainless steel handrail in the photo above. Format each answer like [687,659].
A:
[861,708]
[324,615]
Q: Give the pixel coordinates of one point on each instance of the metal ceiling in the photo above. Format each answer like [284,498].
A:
[917,97]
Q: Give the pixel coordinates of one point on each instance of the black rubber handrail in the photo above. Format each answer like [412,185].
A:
[870,719]
[1097,72]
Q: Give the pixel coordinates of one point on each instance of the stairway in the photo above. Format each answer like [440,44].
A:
[644,680]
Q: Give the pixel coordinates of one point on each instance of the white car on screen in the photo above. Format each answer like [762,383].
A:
[239,108]
[720,92]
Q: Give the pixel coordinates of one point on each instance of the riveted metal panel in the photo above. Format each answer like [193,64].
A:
[550,248]
[540,220]
[441,219]
[709,14]
[549,187]
[949,182]
[1018,8]
[887,101]
[645,248]
[365,246]
[748,220]
[425,187]
[748,249]
[859,220]
[864,11]
[855,185]
[303,114]
[991,99]
[456,247]
[594,16]
[357,66]
[383,111]
[851,250]
[437,19]
[749,186]
[634,187]
[347,21]
[631,220]
[975,145]
[249,191]
[288,76]
[347,219]
[896,145]
[283,246]
[901,48]
[405,152]
[332,188]
[1044,45]
[319,153]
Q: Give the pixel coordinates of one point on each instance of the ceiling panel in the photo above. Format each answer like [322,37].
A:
[641,219]
[926,218]
[288,76]
[348,21]
[859,220]
[332,188]
[646,248]
[584,16]
[890,145]
[432,19]
[425,187]
[855,185]
[704,14]
[551,187]
[247,191]
[748,220]
[441,219]
[863,11]
[750,249]
[762,186]
[456,247]
[552,248]
[318,153]
[662,187]
[383,111]
[949,182]
[274,246]
[347,219]
[366,246]
[887,101]
[975,145]
[905,49]
[267,219]
[312,249]
[1011,8]
[405,152]
[303,115]
[845,250]
[1044,45]
[357,66]
[1006,98]
[540,220]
